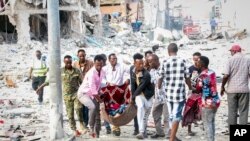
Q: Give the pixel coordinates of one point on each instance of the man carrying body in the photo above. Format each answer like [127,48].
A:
[175,73]
[88,94]
[38,74]
[71,80]
[84,66]
[115,73]
[147,67]
[142,92]
[160,105]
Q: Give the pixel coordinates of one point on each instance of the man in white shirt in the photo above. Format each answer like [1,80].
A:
[160,104]
[116,75]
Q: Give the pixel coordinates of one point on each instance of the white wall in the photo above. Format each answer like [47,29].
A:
[237,12]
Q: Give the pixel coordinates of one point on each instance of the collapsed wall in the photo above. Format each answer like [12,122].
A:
[29,17]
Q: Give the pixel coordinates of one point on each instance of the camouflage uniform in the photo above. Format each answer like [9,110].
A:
[71,81]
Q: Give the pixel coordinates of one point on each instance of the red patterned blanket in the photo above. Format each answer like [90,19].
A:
[192,110]
[115,96]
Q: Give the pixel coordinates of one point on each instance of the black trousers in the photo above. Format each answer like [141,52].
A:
[136,124]
[85,112]
[36,82]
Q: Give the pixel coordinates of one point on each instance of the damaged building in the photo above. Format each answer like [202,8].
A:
[25,20]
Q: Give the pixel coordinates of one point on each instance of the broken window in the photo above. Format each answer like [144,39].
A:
[38,27]
[7,30]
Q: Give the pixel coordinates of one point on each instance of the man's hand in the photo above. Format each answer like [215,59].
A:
[27,79]
[160,83]
[108,84]
[98,99]
[190,92]
[194,90]
[132,101]
[222,91]
[127,82]
[38,90]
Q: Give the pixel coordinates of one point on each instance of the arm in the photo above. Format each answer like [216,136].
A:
[248,68]
[162,74]
[30,73]
[187,76]
[224,81]
[41,87]
[160,83]
[79,77]
[104,80]
[93,86]
[225,78]
[133,84]
[188,82]
[126,74]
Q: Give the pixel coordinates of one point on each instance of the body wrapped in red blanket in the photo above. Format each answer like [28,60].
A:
[116,98]
[192,111]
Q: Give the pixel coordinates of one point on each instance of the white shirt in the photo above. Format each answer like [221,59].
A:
[159,93]
[116,76]
[39,63]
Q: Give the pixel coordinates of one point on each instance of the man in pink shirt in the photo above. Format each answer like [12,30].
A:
[88,94]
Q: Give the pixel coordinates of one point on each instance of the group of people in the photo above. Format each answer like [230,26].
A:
[156,87]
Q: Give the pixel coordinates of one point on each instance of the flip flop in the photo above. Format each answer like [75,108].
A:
[77,133]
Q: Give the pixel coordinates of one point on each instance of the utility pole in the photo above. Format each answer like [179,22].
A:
[167,20]
[56,109]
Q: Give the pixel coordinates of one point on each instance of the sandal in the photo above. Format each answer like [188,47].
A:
[93,135]
[77,133]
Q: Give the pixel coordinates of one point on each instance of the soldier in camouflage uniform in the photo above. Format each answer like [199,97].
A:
[71,80]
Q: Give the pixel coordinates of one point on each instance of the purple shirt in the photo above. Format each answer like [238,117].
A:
[91,83]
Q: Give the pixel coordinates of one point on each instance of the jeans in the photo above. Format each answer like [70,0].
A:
[175,111]
[208,117]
